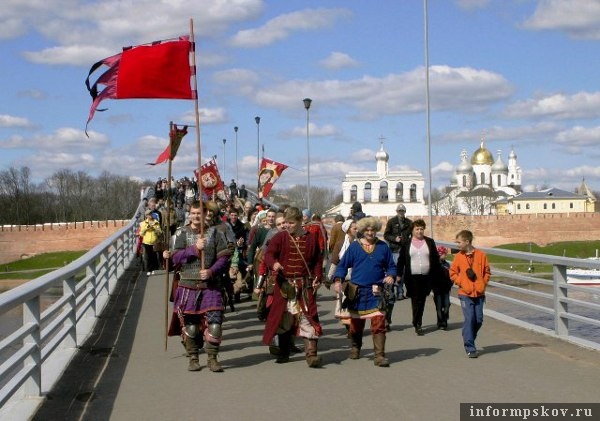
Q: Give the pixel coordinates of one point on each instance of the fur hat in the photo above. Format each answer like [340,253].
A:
[368,222]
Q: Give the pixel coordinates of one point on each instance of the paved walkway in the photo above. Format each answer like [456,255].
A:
[125,373]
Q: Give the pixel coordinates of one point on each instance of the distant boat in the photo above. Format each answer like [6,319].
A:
[584,276]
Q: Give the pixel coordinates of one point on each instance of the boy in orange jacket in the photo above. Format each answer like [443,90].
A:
[470,271]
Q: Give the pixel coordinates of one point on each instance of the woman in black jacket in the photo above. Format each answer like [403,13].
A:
[418,264]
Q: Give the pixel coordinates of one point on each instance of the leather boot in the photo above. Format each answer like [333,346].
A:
[213,364]
[310,349]
[192,351]
[356,345]
[284,347]
[379,350]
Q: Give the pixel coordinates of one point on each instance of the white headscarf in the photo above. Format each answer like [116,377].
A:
[347,240]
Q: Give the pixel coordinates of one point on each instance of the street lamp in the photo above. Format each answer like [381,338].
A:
[237,174]
[257,119]
[307,102]
[224,142]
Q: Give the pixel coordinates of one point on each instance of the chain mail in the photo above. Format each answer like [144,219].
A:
[187,237]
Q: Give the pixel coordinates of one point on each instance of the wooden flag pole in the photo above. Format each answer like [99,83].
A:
[198,148]
[167,233]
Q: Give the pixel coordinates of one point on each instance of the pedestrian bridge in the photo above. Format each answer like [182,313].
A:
[99,352]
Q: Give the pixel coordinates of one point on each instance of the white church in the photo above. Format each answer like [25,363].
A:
[380,191]
[479,183]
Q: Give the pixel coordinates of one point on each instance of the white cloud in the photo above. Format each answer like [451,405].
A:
[578,18]
[560,106]
[534,132]
[11,28]
[241,81]
[337,60]
[33,94]
[584,171]
[85,32]
[283,26]
[579,138]
[207,116]
[64,138]
[71,54]
[314,130]
[12,121]
[451,89]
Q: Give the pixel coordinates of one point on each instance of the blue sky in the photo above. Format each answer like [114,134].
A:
[521,73]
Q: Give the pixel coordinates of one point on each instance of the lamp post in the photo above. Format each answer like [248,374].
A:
[257,119]
[224,142]
[237,174]
[307,102]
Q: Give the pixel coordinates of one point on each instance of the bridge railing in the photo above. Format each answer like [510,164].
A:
[543,302]
[37,351]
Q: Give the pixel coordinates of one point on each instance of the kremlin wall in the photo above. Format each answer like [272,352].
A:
[18,242]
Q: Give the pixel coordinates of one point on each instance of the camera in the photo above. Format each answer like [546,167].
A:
[471,274]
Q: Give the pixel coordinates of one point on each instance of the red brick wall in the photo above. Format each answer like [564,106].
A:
[20,241]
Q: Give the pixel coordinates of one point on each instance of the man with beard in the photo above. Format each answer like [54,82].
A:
[200,261]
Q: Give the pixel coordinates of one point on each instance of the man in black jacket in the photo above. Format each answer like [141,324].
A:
[397,231]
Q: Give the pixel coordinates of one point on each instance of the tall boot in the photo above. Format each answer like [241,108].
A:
[192,351]
[284,347]
[213,364]
[357,340]
[379,348]
[310,349]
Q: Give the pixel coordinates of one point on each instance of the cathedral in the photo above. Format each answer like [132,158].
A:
[479,182]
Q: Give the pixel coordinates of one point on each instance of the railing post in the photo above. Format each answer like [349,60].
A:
[561,323]
[69,289]
[120,250]
[112,260]
[31,316]
[102,277]
[90,272]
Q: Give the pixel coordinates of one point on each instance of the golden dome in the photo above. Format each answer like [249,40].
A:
[482,156]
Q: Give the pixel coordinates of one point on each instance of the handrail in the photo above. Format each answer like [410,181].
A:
[544,305]
[36,353]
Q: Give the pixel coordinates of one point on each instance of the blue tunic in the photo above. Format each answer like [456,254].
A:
[368,269]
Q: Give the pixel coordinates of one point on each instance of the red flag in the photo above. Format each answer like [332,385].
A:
[210,180]
[158,70]
[175,137]
[267,176]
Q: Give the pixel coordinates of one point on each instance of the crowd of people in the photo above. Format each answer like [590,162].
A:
[219,250]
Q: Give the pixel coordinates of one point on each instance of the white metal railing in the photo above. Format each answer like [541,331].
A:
[35,354]
[546,304]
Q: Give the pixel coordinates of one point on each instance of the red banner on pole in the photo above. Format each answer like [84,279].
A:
[267,176]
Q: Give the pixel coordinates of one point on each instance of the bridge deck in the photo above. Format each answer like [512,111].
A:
[124,373]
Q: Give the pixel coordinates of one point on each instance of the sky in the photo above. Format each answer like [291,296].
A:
[521,74]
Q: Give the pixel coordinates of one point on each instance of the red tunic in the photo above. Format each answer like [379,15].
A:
[282,249]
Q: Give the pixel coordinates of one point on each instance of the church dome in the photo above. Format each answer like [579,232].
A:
[512,155]
[382,155]
[482,156]
[499,166]
[464,167]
